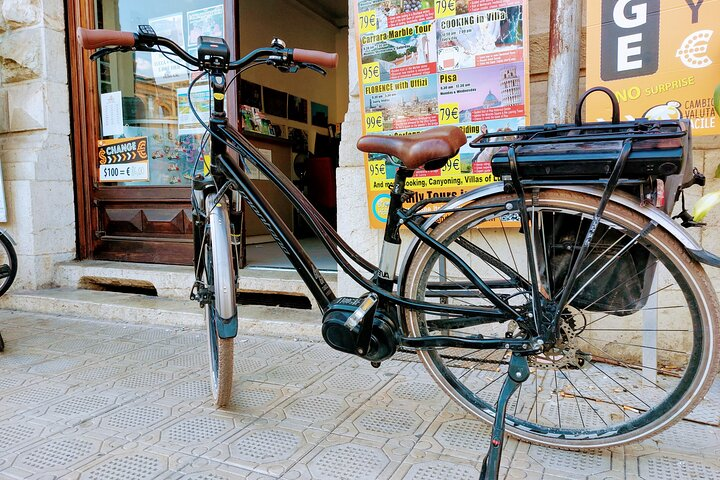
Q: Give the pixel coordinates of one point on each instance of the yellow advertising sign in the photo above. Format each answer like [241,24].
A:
[662,60]
[439,62]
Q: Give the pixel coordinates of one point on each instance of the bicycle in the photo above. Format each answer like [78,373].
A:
[8,267]
[552,283]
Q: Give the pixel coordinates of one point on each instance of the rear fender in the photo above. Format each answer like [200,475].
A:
[692,247]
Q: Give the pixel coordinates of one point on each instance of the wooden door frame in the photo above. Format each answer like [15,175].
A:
[85,114]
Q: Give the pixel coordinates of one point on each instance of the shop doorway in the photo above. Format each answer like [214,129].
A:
[136,104]
[148,219]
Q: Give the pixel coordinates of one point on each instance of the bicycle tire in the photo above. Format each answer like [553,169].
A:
[466,375]
[8,258]
[220,350]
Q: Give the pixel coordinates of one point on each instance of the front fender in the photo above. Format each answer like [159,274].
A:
[692,247]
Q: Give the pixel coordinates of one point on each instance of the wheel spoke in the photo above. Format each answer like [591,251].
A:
[622,363]
[577,403]
[598,356]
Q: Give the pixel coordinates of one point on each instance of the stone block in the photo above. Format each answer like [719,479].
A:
[26,107]
[53,207]
[54,14]
[706,142]
[538,108]
[58,108]
[36,271]
[4,121]
[21,54]
[55,61]
[541,19]
[19,206]
[15,170]
[18,159]
[712,164]
[358,234]
[350,156]
[21,13]
[54,161]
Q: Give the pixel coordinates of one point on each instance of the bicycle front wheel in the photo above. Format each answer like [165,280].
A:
[637,345]
[219,279]
[8,263]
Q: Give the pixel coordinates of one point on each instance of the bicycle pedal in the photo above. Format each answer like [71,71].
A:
[359,314]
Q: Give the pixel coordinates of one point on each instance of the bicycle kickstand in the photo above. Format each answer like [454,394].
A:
[518,372]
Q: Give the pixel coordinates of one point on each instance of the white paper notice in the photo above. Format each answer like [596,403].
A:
[164,69]
[112,113]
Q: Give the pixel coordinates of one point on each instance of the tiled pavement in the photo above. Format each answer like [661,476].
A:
[85,399]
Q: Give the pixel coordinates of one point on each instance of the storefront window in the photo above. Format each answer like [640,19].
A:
[145,95]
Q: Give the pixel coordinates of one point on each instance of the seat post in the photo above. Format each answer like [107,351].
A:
[391,241]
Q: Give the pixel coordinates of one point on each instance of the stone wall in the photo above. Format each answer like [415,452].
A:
[351,177]
[34,137]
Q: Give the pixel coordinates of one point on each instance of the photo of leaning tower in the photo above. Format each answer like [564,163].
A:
[510,93]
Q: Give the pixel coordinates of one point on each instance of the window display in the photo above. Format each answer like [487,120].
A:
[153,86]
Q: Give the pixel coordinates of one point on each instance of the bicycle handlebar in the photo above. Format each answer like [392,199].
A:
[324,59]
[92,39]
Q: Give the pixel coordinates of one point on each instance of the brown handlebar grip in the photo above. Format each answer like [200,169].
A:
[324,59]
[92,39]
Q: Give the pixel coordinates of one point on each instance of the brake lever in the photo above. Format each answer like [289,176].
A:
[314,68]
[283,68]
[107,51]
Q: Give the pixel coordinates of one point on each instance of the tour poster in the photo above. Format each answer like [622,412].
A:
[424,63]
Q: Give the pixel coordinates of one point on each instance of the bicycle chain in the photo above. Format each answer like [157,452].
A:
[458,357]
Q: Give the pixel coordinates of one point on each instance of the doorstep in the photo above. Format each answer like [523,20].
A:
[148,310]
[174,281]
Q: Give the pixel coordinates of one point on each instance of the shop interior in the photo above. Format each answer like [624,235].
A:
[294,119]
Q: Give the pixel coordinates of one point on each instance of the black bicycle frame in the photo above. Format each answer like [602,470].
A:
[225,169]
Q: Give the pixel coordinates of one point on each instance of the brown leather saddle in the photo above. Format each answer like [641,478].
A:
[431,148]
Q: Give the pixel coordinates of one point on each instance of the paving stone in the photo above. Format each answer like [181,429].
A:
[204,469]
[313,408]
[446,468]
[338,457]
[267,447]
[667,466]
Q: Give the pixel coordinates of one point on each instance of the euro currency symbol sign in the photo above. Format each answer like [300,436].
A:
[692,52]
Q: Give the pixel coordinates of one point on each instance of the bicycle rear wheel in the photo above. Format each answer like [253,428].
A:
[219,279]
[638,339]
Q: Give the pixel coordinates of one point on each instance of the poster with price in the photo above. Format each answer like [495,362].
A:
[399,53]
[123,160]
[424,63]
[661,59]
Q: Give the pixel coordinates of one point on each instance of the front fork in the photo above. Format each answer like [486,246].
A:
[212,224]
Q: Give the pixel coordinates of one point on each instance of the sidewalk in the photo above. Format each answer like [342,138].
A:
[87,399]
